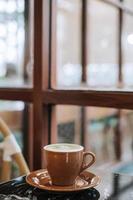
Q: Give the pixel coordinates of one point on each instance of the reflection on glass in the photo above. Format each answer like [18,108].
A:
[115,186]
[68,42]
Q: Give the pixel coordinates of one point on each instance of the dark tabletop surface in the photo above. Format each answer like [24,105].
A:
[112,187]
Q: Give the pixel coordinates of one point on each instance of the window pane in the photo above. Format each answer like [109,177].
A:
[128,50]
[103,45]
[68,42]
[128,3]
[69,126]
[15,51]
[98,128]
[15,115]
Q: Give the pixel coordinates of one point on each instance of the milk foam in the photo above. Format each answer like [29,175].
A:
[63,147]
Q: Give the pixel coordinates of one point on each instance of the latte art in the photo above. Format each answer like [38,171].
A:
[62,147]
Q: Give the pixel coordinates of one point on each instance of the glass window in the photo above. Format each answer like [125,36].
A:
[102,45]
[15,115]
[68,43]
[127,50]
[128,3]
[98,127]
[13,39]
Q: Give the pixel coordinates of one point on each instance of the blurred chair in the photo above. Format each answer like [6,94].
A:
[105,122]
[10,152]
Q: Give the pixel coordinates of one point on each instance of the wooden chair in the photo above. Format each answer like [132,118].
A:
[11,151]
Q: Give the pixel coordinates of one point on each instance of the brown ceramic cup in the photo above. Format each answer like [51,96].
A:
[65,162]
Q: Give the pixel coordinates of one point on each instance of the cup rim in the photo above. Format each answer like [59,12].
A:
[81,148]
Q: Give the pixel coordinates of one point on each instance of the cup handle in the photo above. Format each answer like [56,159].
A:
[84,165]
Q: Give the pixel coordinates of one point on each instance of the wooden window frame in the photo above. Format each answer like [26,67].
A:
[42,96]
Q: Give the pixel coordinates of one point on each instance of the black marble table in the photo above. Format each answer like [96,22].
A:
[112,187]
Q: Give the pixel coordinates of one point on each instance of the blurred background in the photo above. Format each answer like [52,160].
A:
[109,65]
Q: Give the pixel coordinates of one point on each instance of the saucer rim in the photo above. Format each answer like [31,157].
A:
[62,189]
